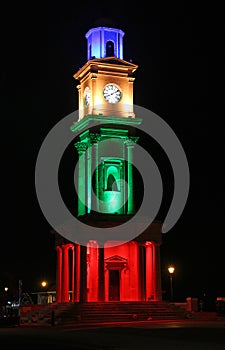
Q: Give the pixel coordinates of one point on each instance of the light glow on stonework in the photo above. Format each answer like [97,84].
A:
[98,99]
[112,201]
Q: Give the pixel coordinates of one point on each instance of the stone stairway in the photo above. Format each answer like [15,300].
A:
[93,312]
[103,312]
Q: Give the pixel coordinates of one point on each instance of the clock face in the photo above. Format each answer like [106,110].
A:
[112,93]
[87,96]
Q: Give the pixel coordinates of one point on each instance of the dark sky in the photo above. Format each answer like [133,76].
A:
[175,49]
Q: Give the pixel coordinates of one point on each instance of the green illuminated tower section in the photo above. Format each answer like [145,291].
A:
[105,175]
[105,170]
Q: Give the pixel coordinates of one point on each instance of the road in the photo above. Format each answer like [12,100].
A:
[151,335]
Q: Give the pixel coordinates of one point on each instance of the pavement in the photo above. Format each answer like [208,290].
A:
[136,335]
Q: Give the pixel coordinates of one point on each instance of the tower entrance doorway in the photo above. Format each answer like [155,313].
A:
[114,285]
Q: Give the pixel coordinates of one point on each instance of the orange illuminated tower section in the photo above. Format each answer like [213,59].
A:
[107,270]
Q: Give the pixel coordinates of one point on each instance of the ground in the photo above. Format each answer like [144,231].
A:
[186,334]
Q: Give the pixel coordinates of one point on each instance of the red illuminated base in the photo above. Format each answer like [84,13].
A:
[125,272]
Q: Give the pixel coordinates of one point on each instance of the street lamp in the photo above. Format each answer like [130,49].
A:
[44,295]
[44,284]
[171,271]
[6,297]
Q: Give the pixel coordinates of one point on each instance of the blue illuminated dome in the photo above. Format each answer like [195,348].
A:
[104,42]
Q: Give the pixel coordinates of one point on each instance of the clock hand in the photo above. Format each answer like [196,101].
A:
[112,93]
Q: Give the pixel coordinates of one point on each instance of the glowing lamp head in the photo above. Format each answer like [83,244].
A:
[171,269]
[44,283]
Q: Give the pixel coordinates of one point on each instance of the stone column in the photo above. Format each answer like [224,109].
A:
[95,139]
[77,272]
[130,142]
[149,270]
[130,110]
[88,179]
[73,274]
[81,148]
[80,101]
[59,275]
[157,288]
[93,110]
[65,281]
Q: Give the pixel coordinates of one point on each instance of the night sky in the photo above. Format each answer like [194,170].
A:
[175,50]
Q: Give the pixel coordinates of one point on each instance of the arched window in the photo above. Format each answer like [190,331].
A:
[111,183]
[109,49]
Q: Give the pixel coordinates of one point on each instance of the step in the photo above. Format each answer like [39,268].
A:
[103,312]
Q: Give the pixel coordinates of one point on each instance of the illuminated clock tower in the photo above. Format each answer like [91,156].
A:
[106,80]
[106,95]
[107,271]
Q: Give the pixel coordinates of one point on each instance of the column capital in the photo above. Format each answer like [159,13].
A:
[81,146]
[130,141]
[95,138]
[67,246]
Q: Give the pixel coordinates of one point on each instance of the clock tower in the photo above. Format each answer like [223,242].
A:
[106,95]
[105,137]
[106,80]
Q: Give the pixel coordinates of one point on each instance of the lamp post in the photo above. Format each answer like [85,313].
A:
[44,297]
[171,271]
[6,298]
[6,294]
